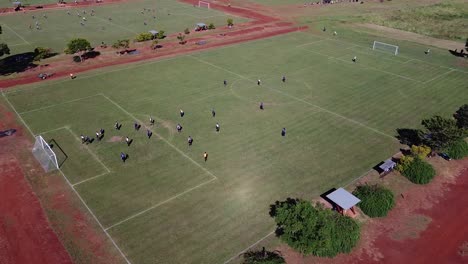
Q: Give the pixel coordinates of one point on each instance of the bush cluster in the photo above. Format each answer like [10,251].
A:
[418,171]
[376,201]
[314,229]
[458,149]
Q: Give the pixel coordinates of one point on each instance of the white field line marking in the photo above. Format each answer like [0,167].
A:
[19,116]
[114,24]
[62,103]
[301,100]
[89,150]
[160,203]
[91,178]
[77,194]
[408,61]
[249,247]
[438,76]
[52,130]
[311,43]
[20,44]
[132,66]
[25,41]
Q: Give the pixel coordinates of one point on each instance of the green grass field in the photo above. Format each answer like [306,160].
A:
[165,204]
[58,27]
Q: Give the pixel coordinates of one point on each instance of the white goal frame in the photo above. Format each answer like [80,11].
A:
[44,154]
[386,47]
[203,4]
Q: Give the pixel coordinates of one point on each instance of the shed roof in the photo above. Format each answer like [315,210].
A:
[201,25]
[387,165]
[154,32]
[343,198]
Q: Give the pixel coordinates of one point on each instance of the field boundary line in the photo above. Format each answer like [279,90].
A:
[25,41]
[438,76]
[311,43]
[52,130]
[161,203]
[249,247]
[301,100]
[55,105]
[75,191]
[89,150]
[407,61]
[89,179]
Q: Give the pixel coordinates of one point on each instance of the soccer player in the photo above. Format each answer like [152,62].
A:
[225,82]
[101,131]
[354,59]
[127,140]
[179,128]
[84,18]
[149,133]
[136,126]
[190,141]
[427,51]
[283,132]
[261,105]
[324,29]
[283,79]
[82,139]
[151,121]
[123,157]
[335,33]
[87,140]
[98,136]
[217,127]
[117,125]
[205,156]
[213,113]
[72,76]
[259,82]
[182,113]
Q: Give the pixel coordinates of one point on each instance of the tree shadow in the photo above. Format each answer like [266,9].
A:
[17,63]
[460,53]
[409,136]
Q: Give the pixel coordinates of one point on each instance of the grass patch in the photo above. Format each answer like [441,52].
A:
[445,20]
[419,171]
[458,150]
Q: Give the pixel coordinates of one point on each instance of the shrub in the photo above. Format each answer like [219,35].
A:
[314,230]
[419,171]
[230,22]
[145,36]
[41,53]
[211,26]
[403,163]
[376,201]
[262,257]
[4,49]
[458,150]
[420,151]
[77,44]
[181,38]
[160,34]
[187,31]
[121,43]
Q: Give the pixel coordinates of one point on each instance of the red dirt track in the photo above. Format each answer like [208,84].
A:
[261,26]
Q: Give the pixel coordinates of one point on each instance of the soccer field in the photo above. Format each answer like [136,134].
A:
[166,204]
[127,21]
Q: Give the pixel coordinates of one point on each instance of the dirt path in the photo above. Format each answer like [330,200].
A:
[410,36]
[427,225]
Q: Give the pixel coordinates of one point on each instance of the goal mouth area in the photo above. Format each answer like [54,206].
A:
[204,4]
[44,154]
[385,47]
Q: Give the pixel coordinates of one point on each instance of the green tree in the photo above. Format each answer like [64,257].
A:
[262,257]
[181,38]
[77,44]
[145,36]
[441,132]
[121,44]
[187,31]
[421,151]
[4,49]
[376,201]
[160,34]
[230,22]
[42,53]
[211,26]
[314,230]
[462,116]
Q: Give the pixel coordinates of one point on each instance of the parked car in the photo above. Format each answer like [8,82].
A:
[445,156]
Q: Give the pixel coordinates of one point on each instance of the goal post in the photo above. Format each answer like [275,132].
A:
[385,47]
[204,4]
[44,154]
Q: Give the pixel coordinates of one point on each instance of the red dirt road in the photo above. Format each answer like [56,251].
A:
[25,235]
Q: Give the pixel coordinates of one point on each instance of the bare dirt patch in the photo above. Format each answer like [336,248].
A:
[115,139]
[410,36]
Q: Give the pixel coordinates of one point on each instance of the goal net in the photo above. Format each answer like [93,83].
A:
[204,4]
[385,47]
[44,154]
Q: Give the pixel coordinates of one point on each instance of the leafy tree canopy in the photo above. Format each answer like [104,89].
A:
[462,116]
[441,132]
[77,44]
[376,201]
[314,230]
